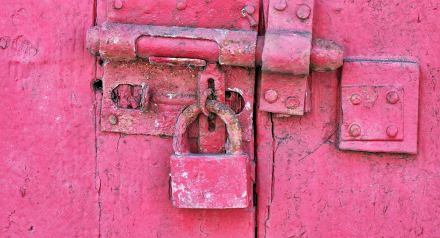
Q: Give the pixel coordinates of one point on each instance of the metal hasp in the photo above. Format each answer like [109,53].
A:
[209,180]
[140,56]
[379,106]
[289,54]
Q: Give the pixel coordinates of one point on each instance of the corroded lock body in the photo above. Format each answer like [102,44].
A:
[209,180]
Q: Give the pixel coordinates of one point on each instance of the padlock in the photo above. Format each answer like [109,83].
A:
[209,180]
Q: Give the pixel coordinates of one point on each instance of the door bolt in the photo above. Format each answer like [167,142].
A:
[118,4]
[303,12]
[393,97]
[281,5]
[355,99]
[392,131]
[271,96]
[181,5]
[355,130]
[292,103]
[113,119]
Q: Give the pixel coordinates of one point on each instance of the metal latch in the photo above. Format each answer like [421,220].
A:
[289,54]
[286,55]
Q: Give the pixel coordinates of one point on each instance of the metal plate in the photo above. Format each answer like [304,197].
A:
[171,88]
[188,13]
[361,104]
[386,123]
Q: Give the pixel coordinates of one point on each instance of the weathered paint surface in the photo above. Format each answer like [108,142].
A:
[307,187]
[63,177]
[47,121]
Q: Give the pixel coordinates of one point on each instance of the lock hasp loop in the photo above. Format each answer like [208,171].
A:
[189,114]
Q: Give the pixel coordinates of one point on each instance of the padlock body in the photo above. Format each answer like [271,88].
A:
[210,181]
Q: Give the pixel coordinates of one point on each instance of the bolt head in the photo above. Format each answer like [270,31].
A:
[393,97]
[355,130]
[303,12]
[113,119]
[292,102]
[271,96]
[392,131]
[250,9]
[181,5]
[118,4]
[281,5]
[355,99]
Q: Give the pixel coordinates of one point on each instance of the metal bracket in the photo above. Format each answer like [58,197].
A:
[289,54]
[379,106]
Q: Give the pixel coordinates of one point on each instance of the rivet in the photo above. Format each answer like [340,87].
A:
[250,9]
[271,96]
[281,5]
[355,130]
[181,5]
[118,4]
[355,99]
[303,12]
[113,119]
[393,97]
[392,131]
[292,103]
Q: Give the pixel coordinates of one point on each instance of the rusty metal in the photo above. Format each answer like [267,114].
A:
[212,135]
[180,141]
[128,42]
[209,180]
[202,100]
[183,62]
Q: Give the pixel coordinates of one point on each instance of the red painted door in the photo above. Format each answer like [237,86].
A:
[325,174]
[87,141]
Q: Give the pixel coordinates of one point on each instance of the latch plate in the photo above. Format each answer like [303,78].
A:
[171,88]
[379,106]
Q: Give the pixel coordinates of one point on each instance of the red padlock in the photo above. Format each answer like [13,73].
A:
[209,180]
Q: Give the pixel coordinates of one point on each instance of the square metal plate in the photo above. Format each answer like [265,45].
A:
[379,106]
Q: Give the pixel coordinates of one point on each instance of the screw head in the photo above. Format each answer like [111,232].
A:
[113,119]
[271,96]
[303,12]
[392,131]
[393,97]
[281,5]
[118,4]
[181,5]
[355,99]
[292,102]
[250,9]
[355,130]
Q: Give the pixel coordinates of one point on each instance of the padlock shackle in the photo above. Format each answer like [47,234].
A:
[180,138]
